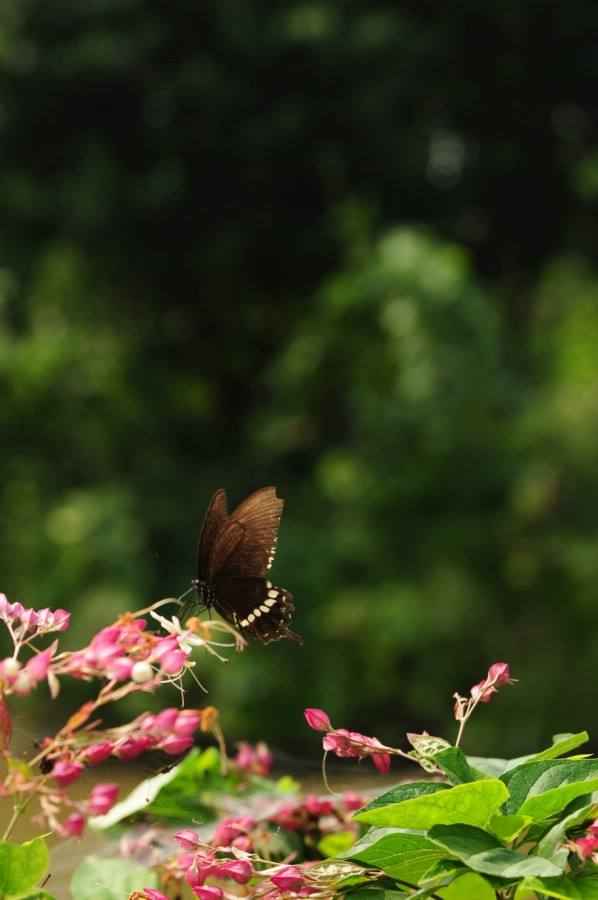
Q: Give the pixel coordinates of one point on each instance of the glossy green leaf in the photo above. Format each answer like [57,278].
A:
[471,803]
[541,789]
[563,743]
[456,766]
[484,853]
[565,888]
[401,854]
[507,828]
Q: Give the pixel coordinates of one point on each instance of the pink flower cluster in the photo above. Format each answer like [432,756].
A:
[498,674]
[586,847]
[253,760]
[170,731]
[349,743]
[126,650]
[203,862]
[20,620]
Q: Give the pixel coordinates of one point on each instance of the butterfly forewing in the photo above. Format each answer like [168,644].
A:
[246,543]
[215,520]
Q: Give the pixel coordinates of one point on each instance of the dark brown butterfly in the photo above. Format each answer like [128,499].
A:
[234,552]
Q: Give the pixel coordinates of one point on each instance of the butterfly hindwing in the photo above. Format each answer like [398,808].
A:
[257,606]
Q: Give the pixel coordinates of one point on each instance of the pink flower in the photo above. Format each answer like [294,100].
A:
[208,892]
[187,721]
[102,799]
[73,826]
[95,754]
[240,870]
[353,801]
[174,745]
[38,665]
[586,846]
[150,894]
[229,829]
[66,771]
[187,839]
[317,807]
[132,747]
[498,674]
[289,878]
[317,719]
[350,743]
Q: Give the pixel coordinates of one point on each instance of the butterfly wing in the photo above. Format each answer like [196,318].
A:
[255,605]
[245,543]
[213,524]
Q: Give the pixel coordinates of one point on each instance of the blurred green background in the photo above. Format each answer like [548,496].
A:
[346,248]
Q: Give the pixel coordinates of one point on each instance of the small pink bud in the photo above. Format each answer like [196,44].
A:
[382,762]
[65,772]
[38,665]
[175,745]
[187,839]
[102,799]
[240,870]
[73,826]
[187,721]
[317,719]
[132,747]
[353,801]
[208,892]
[289,878]
[95,754]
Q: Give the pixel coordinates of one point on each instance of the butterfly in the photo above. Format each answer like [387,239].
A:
[234,552]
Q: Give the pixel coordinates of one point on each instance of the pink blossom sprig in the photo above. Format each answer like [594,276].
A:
[498,674]
[346,743]
[351,743]
[201,864]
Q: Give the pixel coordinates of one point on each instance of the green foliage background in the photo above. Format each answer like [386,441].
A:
[348,248]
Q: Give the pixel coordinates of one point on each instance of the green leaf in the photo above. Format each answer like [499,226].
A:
[402,792]
[471,803]
[442,873]
[483,853]
[22,865]
[541,789]
[456,767]
[104,878]
[375,892]
[470,886]
[563,743]
[401,854]
[507,828]
[36,895]
[577,811]
[565,888]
